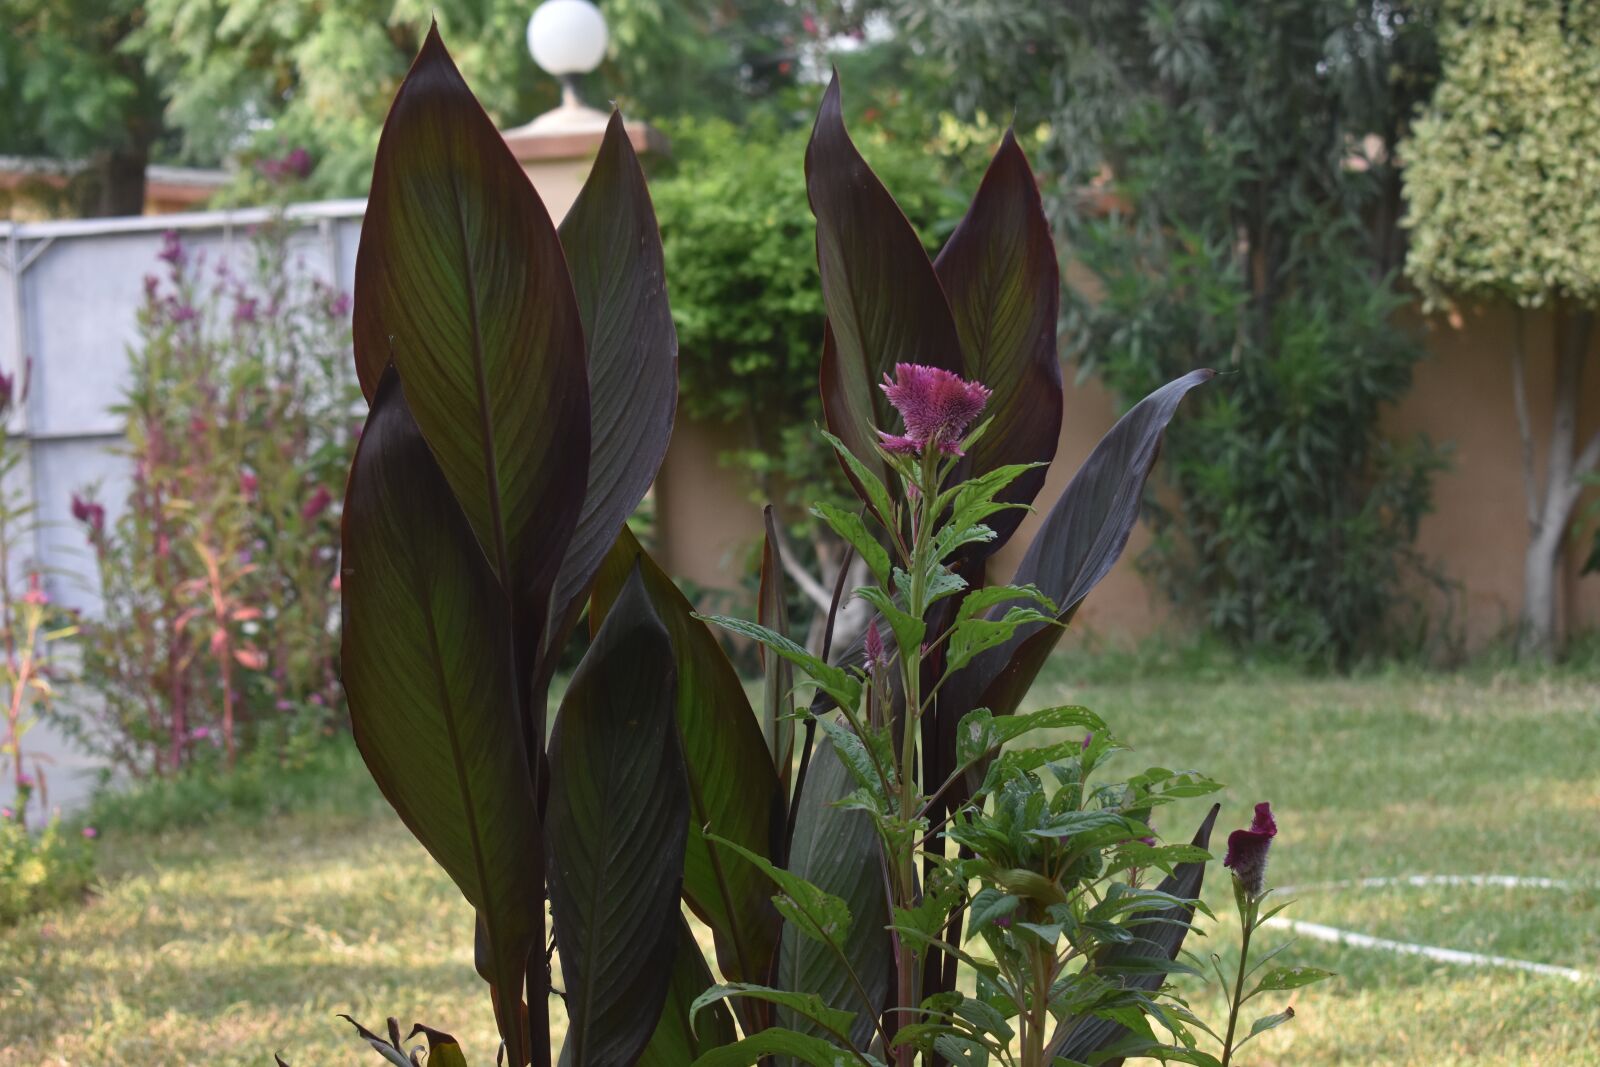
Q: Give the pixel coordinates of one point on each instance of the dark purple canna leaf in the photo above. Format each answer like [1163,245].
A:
[885,305]
[1160,935]
[837,850]
[1081,538]
[428,670]
[777,672]
[999,272]
[461,283]
[615,830]
[733,790]
[613,251]
[678,1040]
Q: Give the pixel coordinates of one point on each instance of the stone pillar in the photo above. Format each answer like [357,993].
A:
[557,148]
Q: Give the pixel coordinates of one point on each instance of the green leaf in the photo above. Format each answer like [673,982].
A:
[884,301]
[806,1048]
[908,629]
[999,272]
[1289,978]
[733,790]
[866,480]
[684,1031]
[1268,1022]
[865,763]
[835,1020]
[990,904]
[613,251]
[980,733]
[841,685]
[969,637]
[813,911]
[429,674]
[615,831]
[837,851]
[1159,936]
[849,525]
[461,283]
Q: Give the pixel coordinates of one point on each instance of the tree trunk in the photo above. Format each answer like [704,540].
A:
[1550,510]
[116,185]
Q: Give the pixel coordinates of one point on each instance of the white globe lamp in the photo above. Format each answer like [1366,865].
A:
[567,38]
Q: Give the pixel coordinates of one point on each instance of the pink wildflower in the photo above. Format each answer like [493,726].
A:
[171,248]
[90,832]
[25,781]
[339,305]
[35,594]
[89,513]
[937,407]
[244,310]
[316,504]
[7,813]
[247,483]
[1247,850]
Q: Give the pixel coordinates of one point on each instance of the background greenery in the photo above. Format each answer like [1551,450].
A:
[1224,171]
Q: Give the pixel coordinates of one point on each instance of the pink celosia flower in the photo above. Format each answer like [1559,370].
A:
[247,483]
[937,407]
[876,657]
[90,832]
[316,504]
[1088,739]
[1247,850]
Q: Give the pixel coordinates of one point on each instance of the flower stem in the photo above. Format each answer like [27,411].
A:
[1237,1004]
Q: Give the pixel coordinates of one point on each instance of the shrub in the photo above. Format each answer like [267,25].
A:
[38,871]
[1225,172]
[218,573]
[521,389]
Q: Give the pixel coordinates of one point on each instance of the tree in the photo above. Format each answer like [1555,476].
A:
[1223,170]
[1503,193]
[71,88]
[319,76]
[212,81]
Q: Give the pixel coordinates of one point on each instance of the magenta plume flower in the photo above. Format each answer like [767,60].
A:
[937,407]
[877,657]
[1247,850]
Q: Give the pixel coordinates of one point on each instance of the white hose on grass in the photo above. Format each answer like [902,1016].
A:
[1334,935]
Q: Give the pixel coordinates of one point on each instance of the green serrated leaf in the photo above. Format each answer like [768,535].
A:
[849,525]
[1289,978]
[841,685]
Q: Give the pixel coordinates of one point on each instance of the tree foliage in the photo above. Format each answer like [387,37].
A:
[1223,169]
[1502,171]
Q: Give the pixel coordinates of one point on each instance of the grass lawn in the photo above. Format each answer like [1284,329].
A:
[224,944]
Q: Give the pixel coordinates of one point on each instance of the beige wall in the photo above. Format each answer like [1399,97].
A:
[1475,536]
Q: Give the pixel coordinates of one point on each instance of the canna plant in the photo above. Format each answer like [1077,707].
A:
[521,382]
